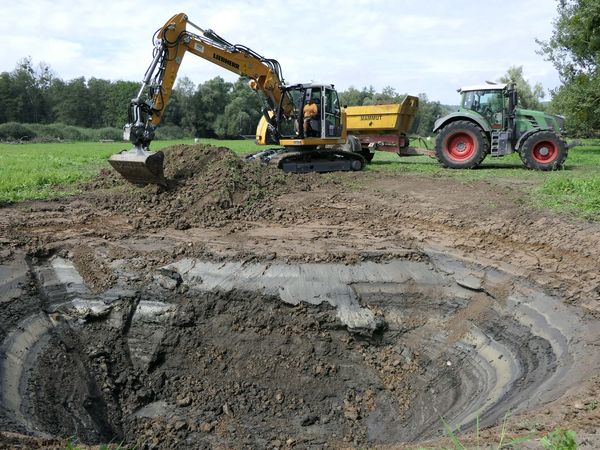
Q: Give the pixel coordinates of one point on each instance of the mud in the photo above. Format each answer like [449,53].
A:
[206,185]
[242,307]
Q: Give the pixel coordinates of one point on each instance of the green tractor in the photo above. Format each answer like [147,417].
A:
[489,122]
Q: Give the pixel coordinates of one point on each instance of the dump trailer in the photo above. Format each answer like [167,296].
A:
[384,127]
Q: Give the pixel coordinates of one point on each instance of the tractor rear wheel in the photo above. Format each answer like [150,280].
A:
[544,151]
[461,145]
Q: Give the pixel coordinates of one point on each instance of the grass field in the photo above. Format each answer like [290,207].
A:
[574,189]
[41,171]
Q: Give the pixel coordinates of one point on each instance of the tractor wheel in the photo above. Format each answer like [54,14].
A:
[544,151]
[461,145]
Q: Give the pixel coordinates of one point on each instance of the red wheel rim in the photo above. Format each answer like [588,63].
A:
[545,151]
[460,146]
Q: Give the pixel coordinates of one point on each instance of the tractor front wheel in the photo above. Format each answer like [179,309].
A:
[544,151]
[461,145]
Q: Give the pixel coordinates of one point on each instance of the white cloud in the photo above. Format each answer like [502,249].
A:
[414,46]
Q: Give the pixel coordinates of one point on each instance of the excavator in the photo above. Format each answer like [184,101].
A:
[322,145]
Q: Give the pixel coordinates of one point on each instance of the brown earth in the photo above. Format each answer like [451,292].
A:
[217,208]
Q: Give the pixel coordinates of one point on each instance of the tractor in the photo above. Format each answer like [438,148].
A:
[488,121]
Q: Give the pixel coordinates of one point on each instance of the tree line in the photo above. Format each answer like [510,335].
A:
[574,49]
[213,109]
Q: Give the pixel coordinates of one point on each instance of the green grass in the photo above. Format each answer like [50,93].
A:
[575,189]
[558,439]
[238,146]
[43,171]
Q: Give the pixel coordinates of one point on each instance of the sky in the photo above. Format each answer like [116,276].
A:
[414,46]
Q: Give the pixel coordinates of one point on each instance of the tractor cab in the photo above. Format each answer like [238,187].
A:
[491,101]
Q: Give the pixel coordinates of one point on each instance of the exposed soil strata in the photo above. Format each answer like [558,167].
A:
[246,307]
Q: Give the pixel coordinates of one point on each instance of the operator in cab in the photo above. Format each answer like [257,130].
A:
[310,112]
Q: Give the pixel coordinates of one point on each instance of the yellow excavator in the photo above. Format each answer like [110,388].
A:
[318,144]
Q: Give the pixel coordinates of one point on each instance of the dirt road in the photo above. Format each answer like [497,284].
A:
[243,307]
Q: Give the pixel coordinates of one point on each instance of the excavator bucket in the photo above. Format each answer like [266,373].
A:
[139,166]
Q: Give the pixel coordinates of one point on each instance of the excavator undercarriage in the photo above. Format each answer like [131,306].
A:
[302,160]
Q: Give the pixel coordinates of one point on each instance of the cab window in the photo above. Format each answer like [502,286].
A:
[490,104]
[332,114]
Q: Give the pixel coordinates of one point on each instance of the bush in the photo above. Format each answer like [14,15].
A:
[73,133]
[169,132]
[13,131]
[43,131]
[108,133]
[560,440]
[60,131]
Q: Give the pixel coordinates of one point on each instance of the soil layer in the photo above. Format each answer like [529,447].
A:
[105,336]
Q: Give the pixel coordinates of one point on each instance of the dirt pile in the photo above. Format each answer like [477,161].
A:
[205,185]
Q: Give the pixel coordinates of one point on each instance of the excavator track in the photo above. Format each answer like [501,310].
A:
[317,160]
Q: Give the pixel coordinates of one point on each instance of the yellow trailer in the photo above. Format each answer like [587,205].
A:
[384,127]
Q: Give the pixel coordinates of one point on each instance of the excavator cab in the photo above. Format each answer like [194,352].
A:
[323,128]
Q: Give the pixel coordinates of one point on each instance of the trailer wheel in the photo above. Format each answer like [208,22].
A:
[461,145]
[544,151]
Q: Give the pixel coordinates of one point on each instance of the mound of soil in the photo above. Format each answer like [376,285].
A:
[205,185]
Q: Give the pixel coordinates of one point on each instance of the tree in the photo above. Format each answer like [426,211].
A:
[208,103]
[387,95]
[98,97]
[529,97]
[73,106]
[579,101]
[242,113]
[574,49]
[23,93]
[426,116]
[354,97]
[117,104]
[185,90]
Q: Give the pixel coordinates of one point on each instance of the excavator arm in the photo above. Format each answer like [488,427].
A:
[172,42]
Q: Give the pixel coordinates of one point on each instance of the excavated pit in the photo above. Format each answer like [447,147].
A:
[235,354]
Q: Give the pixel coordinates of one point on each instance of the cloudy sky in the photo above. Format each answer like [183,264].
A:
[412,45]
